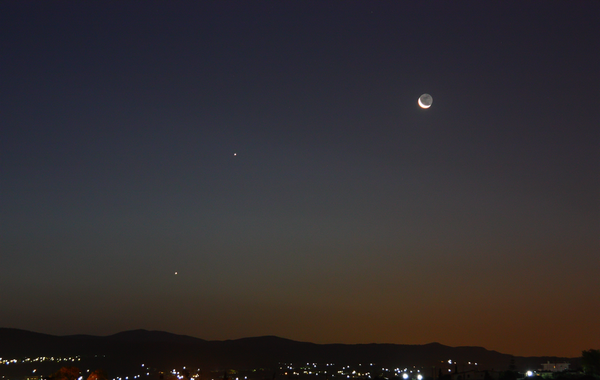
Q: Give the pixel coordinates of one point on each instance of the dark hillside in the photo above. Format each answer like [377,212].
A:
[126,351]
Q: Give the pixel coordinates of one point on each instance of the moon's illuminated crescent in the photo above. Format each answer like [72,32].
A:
[425,101]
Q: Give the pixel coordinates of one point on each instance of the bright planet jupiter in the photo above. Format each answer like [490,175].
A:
[425,101]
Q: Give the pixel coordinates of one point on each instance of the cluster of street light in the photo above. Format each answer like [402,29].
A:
[40,359]
[132,377]
[327,370]
[347,372]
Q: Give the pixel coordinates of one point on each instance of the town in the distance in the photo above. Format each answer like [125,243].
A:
[153,355]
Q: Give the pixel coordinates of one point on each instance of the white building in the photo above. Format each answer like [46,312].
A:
[555,367]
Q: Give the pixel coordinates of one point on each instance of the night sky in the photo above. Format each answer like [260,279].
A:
[273,154]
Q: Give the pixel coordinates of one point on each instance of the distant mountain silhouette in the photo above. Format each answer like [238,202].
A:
[124,351]
[152,336]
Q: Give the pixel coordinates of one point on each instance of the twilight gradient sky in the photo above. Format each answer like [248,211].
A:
[348,215]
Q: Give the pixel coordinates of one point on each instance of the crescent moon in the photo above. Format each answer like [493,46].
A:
[423,105]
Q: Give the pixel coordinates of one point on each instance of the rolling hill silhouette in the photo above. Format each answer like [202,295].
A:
[125,351]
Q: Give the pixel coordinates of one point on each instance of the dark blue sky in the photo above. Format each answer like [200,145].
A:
[349,214]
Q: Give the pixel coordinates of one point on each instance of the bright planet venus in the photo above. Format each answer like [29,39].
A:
[425,101]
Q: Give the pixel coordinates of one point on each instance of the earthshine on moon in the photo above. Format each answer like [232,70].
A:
[425,101]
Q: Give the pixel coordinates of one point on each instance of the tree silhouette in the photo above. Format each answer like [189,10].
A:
[509,375]
[590,361]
